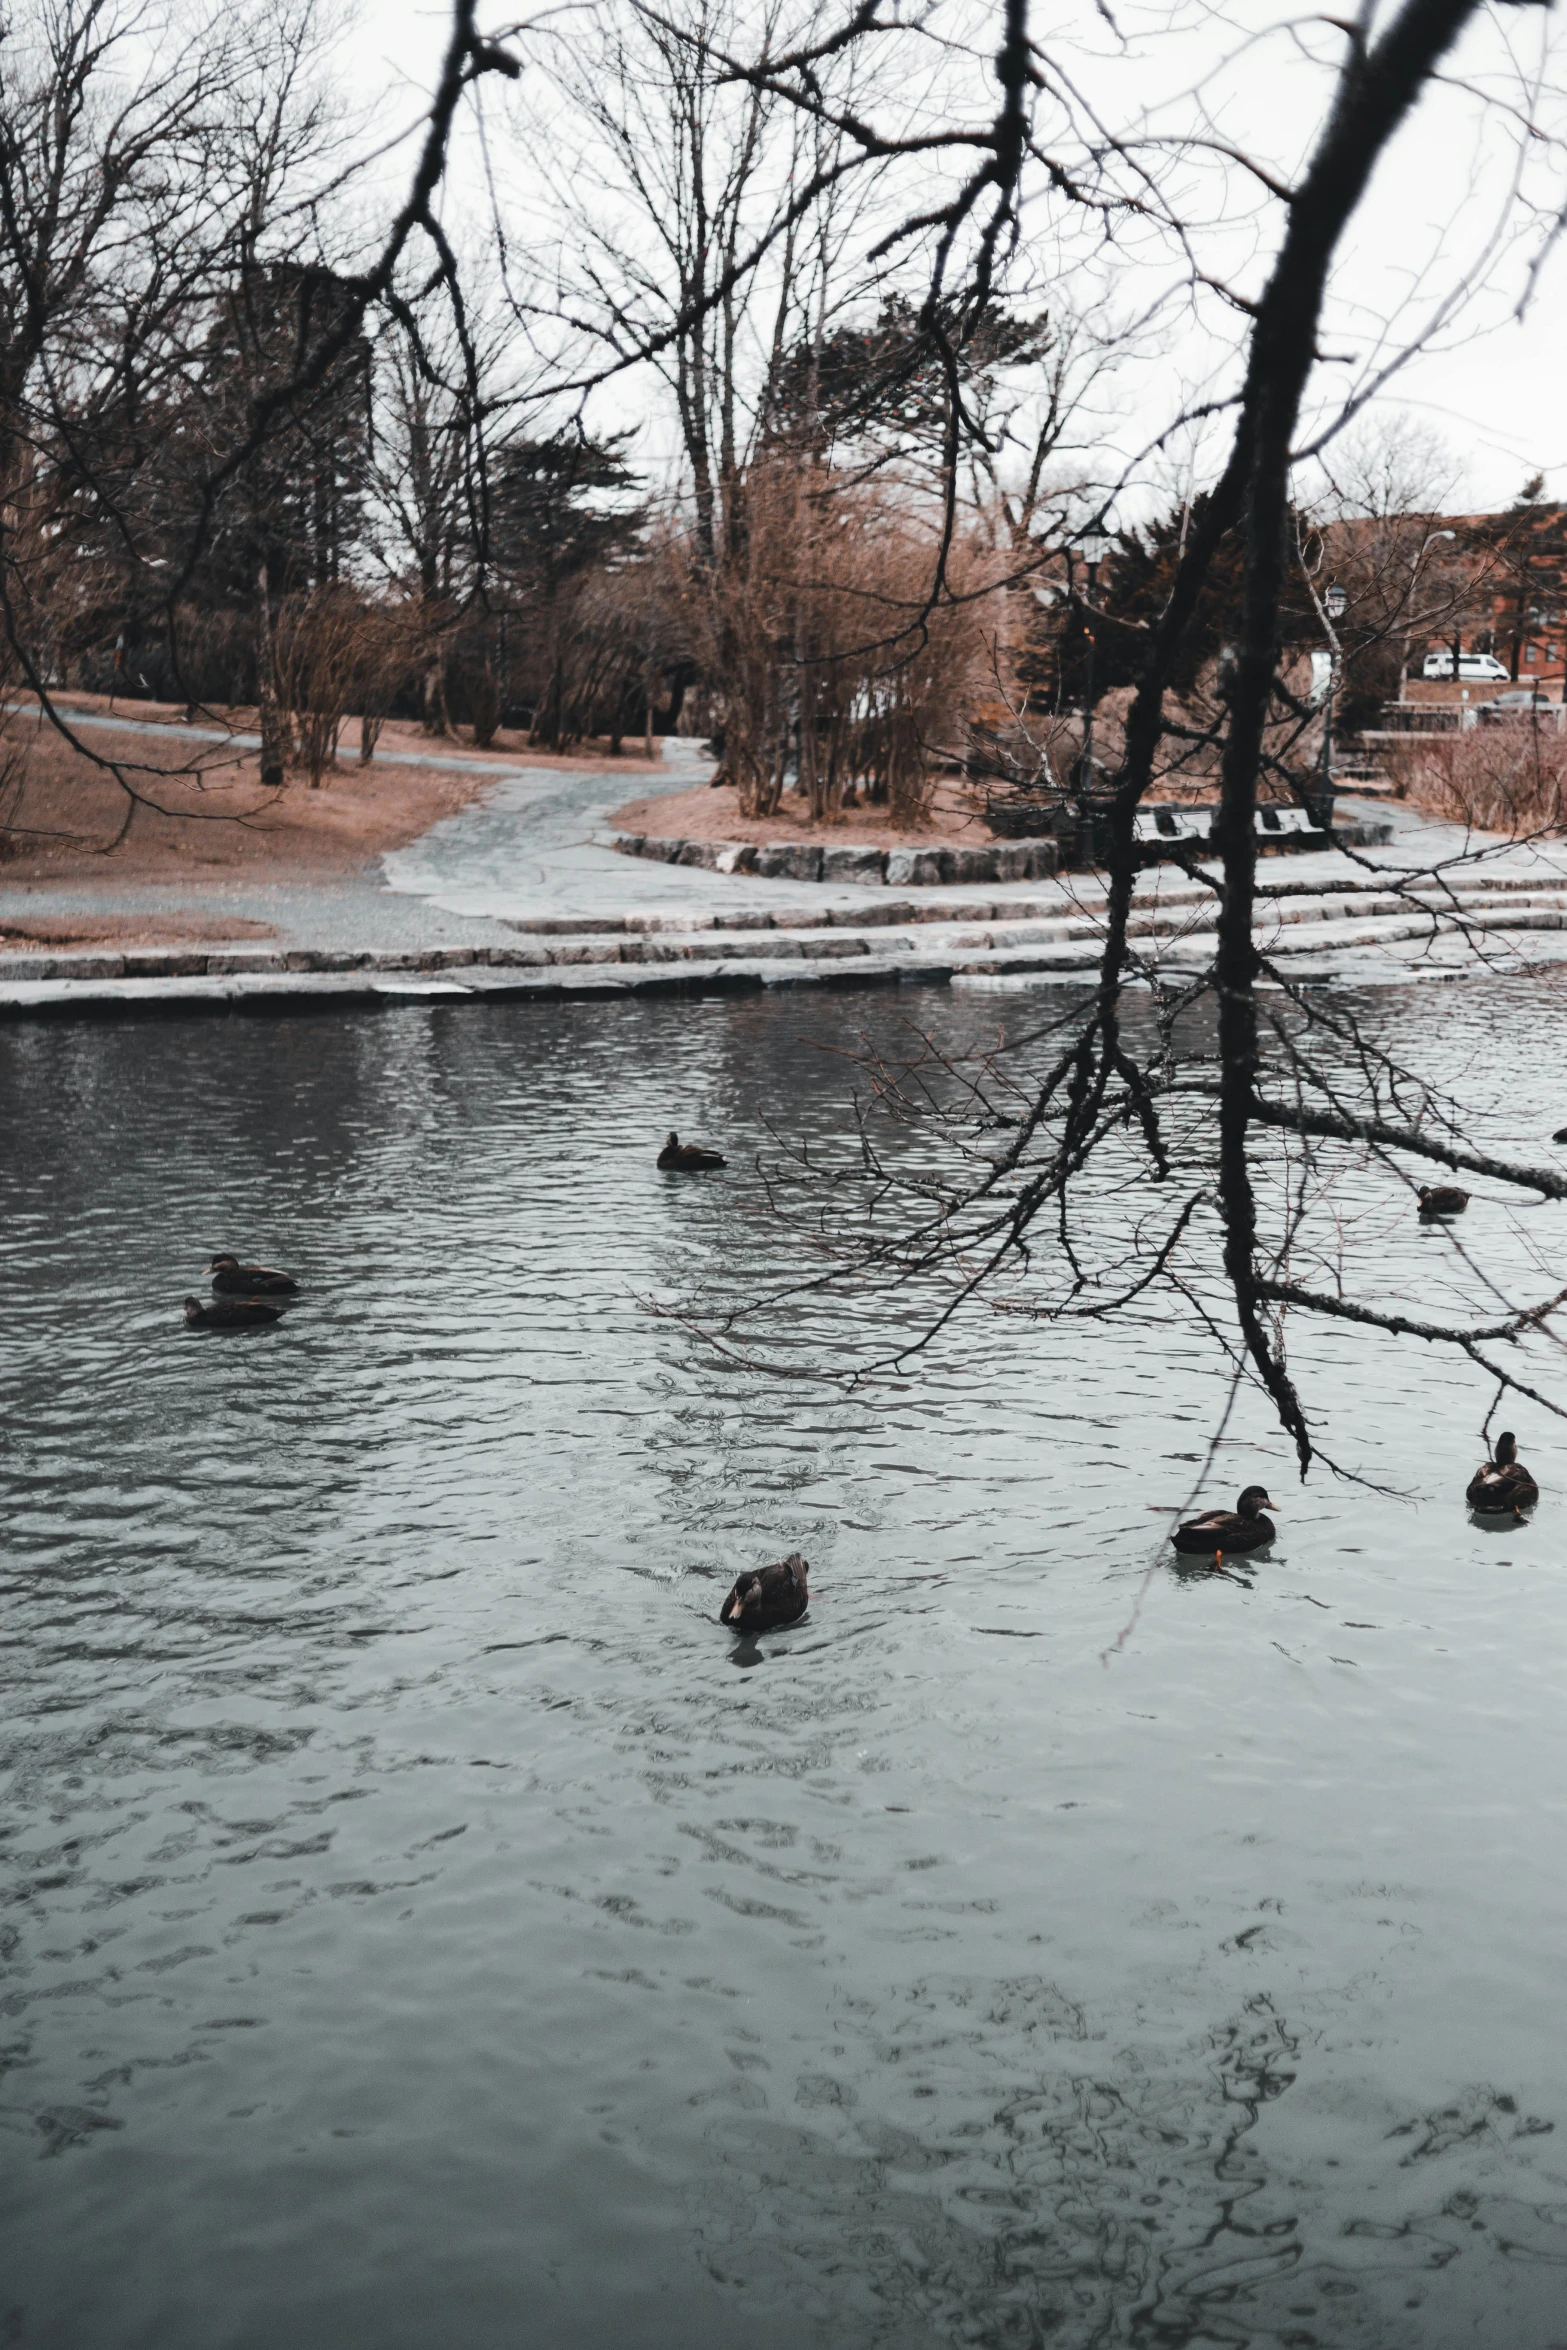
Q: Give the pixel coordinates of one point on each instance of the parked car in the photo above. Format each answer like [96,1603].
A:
[1522,702]
[1482,667]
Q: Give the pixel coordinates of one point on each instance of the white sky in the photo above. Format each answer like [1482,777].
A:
[1440,211]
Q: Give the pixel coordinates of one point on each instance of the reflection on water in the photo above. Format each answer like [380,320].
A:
[421,1922]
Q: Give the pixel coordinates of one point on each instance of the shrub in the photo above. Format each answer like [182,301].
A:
[1509,779]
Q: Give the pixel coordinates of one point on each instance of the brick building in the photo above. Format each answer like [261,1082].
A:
[1519,607]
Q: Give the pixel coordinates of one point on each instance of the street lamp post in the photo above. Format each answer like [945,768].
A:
[1335,603]
[1093,547]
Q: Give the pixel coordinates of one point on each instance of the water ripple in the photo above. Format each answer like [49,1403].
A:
[420,1920]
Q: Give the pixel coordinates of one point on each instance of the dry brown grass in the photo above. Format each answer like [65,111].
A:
[953,813]
[129,930]
[65,814]
[1507,779]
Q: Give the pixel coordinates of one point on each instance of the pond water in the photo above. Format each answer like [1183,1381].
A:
[422,1923]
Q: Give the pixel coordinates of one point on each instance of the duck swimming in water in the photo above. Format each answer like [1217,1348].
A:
[1503,1485]
[1441,1199]
[1240,1529]
[233,1279]
[687,1158]
[773,1595]
[230,1313]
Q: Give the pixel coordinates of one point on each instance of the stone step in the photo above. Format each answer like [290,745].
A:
[675,954]
[231,961]
[1062,902]
[965,932]
[303,990]
[1319,915]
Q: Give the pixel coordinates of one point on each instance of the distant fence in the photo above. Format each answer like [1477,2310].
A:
[1415,718]
[1402,719]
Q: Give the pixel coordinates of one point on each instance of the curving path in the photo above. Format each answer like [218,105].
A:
[527,863]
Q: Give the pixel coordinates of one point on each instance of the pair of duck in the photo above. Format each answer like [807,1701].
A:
[240,1300]
[1502,1487]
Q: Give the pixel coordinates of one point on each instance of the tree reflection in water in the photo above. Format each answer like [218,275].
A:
[1119,2203]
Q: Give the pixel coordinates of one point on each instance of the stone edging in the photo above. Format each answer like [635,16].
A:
[933,868]
[909,868]
[228,962]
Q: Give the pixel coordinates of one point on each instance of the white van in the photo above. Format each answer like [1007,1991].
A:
[1484,667]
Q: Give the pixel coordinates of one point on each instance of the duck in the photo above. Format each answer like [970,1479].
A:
[687,1158]
[771,1596]
[233,1279]
[230,1313]
[1242,1528]
[1503,1484]
[1441,1199]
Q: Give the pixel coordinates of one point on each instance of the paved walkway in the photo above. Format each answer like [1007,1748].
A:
[527,846]
[529,857]
[518,894]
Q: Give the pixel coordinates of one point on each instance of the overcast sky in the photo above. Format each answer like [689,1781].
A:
[1451,207]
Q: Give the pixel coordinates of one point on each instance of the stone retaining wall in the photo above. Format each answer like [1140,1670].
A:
[1009,860]
[226,962]
[1002,860]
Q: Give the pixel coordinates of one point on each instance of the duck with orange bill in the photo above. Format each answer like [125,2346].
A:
[1216,1532]
[770,1596]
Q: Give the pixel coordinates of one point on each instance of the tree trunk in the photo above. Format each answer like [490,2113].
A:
[274,739]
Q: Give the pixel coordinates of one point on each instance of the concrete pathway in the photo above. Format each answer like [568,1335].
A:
[519,894]
[534,855]
[527,845]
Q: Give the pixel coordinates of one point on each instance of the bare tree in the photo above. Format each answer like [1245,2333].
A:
[683,251]
[428,483]
[807,633]
[141,205]
[1223,1116]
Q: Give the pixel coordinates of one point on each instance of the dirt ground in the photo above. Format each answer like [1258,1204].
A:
[127,930]
[708,814]
[204,815]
